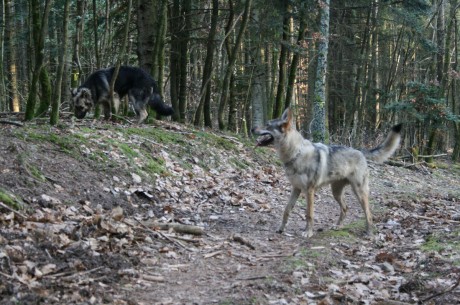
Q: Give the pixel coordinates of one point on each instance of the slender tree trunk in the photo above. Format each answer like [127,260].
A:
[455,108]
[3,103]
[229,70]
[11,56]
[174,60]
[280,93]
[205,93]
[54,117]
[294,64]
[183,45]
[257,88]
[159,51]
[96,38]
[120,57]
[76,66]
[319,103]
[39,28]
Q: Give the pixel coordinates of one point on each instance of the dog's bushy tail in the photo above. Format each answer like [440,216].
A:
[384,151]
[156,102]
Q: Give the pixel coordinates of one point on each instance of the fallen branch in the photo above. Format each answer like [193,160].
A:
[12,210]
[443,292]
[435,219]
[177,227]
[12,123]
[242,241]
[169,238]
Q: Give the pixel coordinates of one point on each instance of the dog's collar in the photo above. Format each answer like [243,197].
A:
[291,161]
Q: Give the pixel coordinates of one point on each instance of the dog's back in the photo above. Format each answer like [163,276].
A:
[135,82]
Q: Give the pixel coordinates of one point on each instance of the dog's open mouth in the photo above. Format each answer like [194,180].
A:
[265,139]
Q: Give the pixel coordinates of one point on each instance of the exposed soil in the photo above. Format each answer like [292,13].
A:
[83,210]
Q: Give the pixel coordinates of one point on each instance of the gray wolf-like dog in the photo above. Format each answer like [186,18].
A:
[310,165]
[141,88]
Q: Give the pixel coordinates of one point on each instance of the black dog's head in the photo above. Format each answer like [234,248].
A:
[82,101]
[275,130]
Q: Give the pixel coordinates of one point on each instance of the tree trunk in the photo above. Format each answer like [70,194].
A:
[183,46]
[3,94]
[257,88]
[45,97]
[174,61]
[159,50]
[319,103]
[39,28]
[54,116]
[205,93]
[295,63]
[120,57]
[76,66]
[229,70]
[147,25]
[96,38]
[10,36]
[278,107]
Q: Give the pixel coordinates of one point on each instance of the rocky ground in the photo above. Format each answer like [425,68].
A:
[97,213]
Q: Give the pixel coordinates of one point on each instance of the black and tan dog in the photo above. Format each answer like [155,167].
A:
[140,87]
[310,165]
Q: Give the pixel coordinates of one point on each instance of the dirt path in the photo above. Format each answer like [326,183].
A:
[91,194]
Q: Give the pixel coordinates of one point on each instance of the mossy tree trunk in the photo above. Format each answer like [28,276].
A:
[319,103]
[54,116]
[205,93]
[229,69]
[39,28]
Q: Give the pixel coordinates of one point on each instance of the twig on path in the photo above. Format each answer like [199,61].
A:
[177,227]
[260,277]
[435,219]
[443,292]
[242,241]
[12,123]
[169,238]
[12,210]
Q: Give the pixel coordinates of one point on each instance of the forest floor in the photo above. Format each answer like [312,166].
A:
[99,213]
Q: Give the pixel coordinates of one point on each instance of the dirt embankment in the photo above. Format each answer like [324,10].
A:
[111,214]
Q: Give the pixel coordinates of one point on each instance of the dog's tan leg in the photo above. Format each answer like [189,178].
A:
[337,192]
[143,114]
[287,210]
[362,193]
[310,212]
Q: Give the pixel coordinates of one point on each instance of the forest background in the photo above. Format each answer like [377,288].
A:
[234,64]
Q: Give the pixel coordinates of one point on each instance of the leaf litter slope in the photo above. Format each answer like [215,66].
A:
[97,201]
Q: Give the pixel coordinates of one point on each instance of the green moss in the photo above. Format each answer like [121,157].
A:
[128,151]
[433,244]
[155,166]
[10,200]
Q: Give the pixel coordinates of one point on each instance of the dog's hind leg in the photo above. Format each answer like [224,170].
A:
[362,193]
[310,192]
[287,210]
[337,192]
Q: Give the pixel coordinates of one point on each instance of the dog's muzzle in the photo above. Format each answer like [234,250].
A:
[80,113]
[265,138]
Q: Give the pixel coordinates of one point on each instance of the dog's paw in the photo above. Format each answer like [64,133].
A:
[307,234]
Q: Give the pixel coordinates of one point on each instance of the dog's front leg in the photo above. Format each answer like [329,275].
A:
[310,212]
[292,200]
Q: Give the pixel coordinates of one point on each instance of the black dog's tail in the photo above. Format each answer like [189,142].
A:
[156,102]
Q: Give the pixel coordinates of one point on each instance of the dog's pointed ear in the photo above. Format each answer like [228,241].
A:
[287,118]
